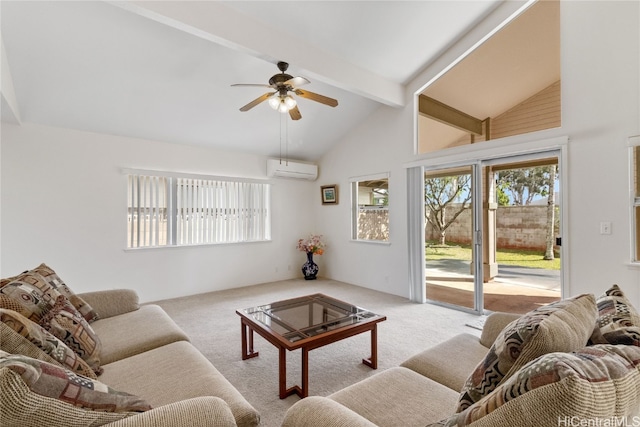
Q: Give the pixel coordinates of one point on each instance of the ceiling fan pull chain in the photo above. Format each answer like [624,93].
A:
[284,134]
[280,139]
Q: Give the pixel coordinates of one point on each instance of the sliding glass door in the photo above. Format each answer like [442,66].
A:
[492,233]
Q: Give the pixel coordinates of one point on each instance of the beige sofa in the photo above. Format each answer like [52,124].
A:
[589,380]
[146,354]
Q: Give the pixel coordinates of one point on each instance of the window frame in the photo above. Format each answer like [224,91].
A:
[634,196]
[260,205]
[355,207]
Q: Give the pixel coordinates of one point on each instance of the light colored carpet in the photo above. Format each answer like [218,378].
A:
[477,323]
[214,328]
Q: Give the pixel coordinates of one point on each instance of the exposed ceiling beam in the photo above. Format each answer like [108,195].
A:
[223,25]
[10,111]
[443,113]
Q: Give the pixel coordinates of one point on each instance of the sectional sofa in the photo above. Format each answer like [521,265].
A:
[571,363]
[136,366]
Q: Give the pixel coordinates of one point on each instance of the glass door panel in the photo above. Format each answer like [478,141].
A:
[522,263]
[449,237]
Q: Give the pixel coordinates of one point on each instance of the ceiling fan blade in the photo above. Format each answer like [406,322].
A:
[251,85]
[316,97]
[294,113]
[297,81]
[257,101]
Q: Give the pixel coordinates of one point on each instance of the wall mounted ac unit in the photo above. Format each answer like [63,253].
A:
[289,169]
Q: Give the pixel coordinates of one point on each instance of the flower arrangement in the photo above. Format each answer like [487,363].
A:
[313,244]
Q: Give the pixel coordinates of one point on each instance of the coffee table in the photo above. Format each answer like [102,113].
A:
[306,323]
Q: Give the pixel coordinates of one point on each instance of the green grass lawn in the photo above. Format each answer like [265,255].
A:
[531,259]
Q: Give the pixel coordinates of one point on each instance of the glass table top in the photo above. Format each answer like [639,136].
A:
[307,316]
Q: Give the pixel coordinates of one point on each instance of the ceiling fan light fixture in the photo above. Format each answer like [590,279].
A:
[280,100]
[282,103]
[274,102]
[289,102]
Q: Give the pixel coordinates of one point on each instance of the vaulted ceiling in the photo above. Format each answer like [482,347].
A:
[163,70]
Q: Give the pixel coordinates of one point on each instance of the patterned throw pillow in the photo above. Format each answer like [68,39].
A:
[68,325]
[564,325]
[596,382]
[29,294]
[45,341]
[52,278]
[56,282]
[58,383]
[618,321]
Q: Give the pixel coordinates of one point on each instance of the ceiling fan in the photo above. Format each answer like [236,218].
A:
[281,100]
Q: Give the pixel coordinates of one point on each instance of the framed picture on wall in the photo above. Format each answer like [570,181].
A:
[329,194]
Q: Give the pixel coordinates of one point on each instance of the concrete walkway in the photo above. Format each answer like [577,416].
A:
[516,289]
[508,274]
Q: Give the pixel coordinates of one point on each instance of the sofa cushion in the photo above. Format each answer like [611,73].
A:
[112,302]
[67,324]
[618,321]
[29,294]
[430,362]
[314,411]
[564,325]
[175,372]
[52,278]
[599,382]
[147,328]
[58,385]
[494,324]
[398,397]
[44,341]
[206,411]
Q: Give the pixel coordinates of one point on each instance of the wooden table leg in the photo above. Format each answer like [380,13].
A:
[305,372]
[372,362]
[284,391]
[247,336]
[283,373]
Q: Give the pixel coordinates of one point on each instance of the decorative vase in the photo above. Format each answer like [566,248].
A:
[310,268]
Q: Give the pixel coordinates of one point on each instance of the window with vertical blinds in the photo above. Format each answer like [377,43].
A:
[635,188]
[183,210]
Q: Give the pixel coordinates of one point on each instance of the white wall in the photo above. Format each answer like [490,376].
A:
[64,203]
[377,146]
[600,47]
[63,195]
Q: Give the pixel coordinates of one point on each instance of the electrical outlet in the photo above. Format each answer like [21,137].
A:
[605,227]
